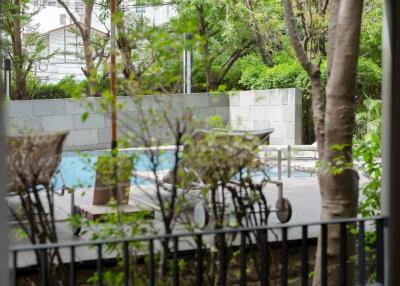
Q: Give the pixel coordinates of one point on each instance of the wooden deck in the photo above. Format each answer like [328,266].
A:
[303,194]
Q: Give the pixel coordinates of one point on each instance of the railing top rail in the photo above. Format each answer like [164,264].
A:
[21,248]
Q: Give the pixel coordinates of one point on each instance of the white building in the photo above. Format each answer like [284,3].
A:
[53,22]
[65,43]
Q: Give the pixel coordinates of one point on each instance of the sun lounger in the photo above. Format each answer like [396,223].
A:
[283,207]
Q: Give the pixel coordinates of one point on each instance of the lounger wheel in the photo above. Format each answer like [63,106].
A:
[201,215]
[283,210]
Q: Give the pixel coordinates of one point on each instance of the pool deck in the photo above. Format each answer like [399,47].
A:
[303,194]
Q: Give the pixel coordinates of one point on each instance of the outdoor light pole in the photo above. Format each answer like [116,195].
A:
[187,66]
[4,239]
[7,77]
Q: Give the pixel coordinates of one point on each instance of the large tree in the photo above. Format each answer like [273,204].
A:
[25,46]
[262,19]
[216,48]
[94,48]
[333,115]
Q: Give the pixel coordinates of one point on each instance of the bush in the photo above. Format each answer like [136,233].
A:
[65,88]
[288,73]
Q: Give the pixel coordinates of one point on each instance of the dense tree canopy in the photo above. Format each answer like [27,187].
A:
[235,45]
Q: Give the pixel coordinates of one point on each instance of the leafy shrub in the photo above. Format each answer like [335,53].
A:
[288,73]
[65,88]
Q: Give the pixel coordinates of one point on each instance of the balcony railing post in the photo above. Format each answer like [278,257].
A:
[15,268]
[284,274]
[152,279]
[222,260]
[343,254]
[361,253]
[72,266]
[304,256]
[176,262]
[264,258]
[99,265]
[324,255]
[199,262]
[125,249]
[379,251]
[243,258]
[44,277]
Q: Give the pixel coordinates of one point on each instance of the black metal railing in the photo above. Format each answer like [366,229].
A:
[269,239]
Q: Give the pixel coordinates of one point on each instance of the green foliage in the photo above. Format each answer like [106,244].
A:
[371,31]
[367,150]
[65,88]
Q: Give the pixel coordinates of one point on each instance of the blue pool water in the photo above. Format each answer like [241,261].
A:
[78,170]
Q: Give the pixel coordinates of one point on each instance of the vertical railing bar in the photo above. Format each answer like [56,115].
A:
[304,256]
[15,268]
[72,266]
[289,161]
[152,264]
[279,165]
[99,265]
[343,254]
[44,270]
[243,257]
[379,252]
[284,274]
[263,257]
[324,255]
[199,262]
[125,247]
[361,253]
[176,264]
[222,261]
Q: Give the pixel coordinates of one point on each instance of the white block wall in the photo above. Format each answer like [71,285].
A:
[248,110]
[95,133]
[276,108]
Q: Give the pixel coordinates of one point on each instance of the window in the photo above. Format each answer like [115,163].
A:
[140,9]
[63,19]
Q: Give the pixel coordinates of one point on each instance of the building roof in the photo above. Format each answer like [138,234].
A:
[71,26]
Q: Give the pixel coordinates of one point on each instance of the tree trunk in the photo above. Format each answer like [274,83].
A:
[87,48]
[20,91]
[85,29]
[333,116]
[339,193]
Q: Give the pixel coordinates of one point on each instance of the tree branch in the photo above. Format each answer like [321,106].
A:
[232,59]
[305,61]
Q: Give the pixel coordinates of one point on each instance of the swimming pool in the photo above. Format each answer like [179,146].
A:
[78,169]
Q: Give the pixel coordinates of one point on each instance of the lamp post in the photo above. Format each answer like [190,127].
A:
[7,78]
[4,268]
[187,66]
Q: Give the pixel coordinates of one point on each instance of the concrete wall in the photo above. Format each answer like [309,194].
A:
[249,110]
[280,109]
